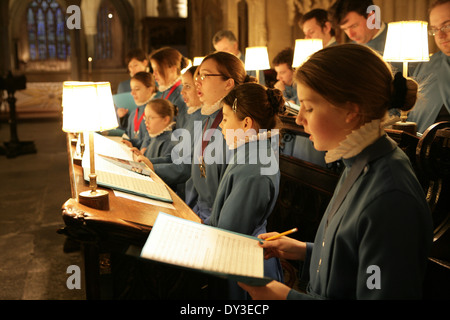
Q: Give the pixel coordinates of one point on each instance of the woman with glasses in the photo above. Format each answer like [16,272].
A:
[143,90]
[217,75]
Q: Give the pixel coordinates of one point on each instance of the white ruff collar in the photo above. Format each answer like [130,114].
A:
[359,139]
[262,136]
[209,110]
[191,110]
[162,88]
[168,128]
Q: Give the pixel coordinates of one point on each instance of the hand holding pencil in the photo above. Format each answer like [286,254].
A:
[278,245]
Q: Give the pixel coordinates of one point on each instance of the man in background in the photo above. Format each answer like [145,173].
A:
[433,76]
[226,41]
[315,25]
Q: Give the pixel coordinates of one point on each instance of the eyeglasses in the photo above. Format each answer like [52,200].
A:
[444,29]
[204,76]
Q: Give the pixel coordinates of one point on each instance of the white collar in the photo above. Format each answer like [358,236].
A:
[192,109]
[168,128]
[162,88]
[359,139]
[262,136]
[209,110]
[332,40]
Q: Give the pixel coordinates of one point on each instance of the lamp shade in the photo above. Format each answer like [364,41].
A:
[304,48]
[197,61]
[88,106]
[407,41]
[256,58]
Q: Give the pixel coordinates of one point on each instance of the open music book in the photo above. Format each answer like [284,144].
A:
[205,248]
[116,177]
[138,167]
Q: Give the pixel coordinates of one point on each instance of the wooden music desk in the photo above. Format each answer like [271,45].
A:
[101,232]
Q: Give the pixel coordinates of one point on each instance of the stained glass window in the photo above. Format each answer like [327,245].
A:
[48,36]
[103,47]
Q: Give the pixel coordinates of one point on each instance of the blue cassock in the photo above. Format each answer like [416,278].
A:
[379,42]
[383,222]
[160,146]
[137,137]
[434,90]
[175,172]
[177,100]
[201,191]
[247,194]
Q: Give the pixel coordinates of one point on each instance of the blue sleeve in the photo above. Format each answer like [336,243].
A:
[246,205]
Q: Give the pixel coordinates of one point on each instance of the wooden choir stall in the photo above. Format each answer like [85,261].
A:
[106,236]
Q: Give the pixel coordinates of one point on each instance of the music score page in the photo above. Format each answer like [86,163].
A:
[189,244]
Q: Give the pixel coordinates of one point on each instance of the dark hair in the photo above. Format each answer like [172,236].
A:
[357,74]
[230,67]
[284,56]
[436,3]
[341,8]
[224,34]
[257,102]
[146,78]
[192,70]
[163,108]
[167,57]
[321,17]
[137,54]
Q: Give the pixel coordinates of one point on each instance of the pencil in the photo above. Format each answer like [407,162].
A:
[281,234]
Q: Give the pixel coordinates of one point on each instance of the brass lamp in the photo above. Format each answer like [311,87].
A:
[257,58]
[406,41]
[303,49]
[89,107]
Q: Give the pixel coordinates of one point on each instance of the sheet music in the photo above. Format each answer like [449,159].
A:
[139,184]
[185,243]
[108,147]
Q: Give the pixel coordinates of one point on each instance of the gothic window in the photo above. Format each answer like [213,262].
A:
[103,43]
[48,37]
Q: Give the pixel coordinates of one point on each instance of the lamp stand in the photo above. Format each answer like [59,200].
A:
[403,125]
[78,157]
[97,199]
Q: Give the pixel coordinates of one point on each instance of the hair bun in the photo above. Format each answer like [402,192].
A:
[399,92]
[275,98]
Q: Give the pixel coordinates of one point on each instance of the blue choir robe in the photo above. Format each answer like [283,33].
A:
[290,93]
[202,190]
[383,222]
[137,137]
[177,100]
[378,43]
[159,146]
[247,195]
[434,83]
[176,171]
